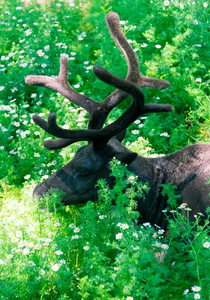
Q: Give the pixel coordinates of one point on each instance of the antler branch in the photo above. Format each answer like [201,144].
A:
[102,136]
[98,112]
[133,74]
[61,85]
[113,22]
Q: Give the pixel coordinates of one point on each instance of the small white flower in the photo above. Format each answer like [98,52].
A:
[205,4]
[195,22]
[14,89]
[57,224]
[51,233]
[119,236]
[55,267]
[196,289]
[186,291]
[25,251]
[86,248]
[206,244]
[166,3]
[183,205]
[144,45]
[47,48]
[19,233]
[197,296]
[76,229]
[75,237]
[28,32]
[147,224]
[40,53]
[42,272]
[124,226]
[48,240]
[59,252]
[62,261]
[135,131]
[198,80]
[14,239]
[164,246]
[158,46]
[38,246]
[165,134]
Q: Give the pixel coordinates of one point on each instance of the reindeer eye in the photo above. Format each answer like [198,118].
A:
[84,172]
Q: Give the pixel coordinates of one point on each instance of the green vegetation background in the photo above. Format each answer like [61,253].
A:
[171,40]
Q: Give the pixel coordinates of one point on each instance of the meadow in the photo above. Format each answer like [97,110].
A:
[92,251]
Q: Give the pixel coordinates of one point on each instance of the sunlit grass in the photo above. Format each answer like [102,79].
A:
[99,248]
[85,253]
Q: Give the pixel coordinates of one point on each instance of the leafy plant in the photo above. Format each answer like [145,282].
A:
[98,251]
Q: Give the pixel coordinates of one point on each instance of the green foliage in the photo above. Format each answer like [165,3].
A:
[171,42]
[98,250]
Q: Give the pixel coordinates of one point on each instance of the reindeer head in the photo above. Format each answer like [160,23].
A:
[78,178]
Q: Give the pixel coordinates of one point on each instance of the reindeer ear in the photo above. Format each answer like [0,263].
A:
[125,157]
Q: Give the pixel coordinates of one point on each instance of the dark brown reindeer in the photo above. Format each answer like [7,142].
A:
[188,169]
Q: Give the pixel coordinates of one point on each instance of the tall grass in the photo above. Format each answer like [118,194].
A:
[98,251]
[93,252]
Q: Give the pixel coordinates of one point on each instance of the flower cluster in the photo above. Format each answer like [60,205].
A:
[195,290]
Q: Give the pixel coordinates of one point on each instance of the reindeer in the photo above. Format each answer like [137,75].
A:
[188,169]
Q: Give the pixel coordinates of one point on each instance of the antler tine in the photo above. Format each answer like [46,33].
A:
[113,22]
[61,85]
[133,75]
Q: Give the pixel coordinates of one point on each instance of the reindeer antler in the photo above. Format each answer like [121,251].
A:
[98,112]
[133,75]
[100,137]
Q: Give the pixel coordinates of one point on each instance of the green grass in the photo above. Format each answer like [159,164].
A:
[98,251]
[172,43]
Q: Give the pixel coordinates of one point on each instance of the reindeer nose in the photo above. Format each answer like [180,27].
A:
[39,191]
